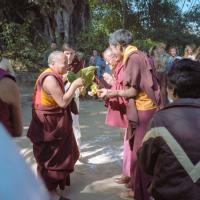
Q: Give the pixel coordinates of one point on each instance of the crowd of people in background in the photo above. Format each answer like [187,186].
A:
[152,97]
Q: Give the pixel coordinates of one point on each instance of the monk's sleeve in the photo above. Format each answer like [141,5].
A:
[132,72]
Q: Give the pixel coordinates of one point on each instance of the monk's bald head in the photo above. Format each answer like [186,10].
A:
[108,52]
[111,58]
[58,61]
[55,56]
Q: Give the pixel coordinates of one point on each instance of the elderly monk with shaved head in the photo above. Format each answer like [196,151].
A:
[50,131]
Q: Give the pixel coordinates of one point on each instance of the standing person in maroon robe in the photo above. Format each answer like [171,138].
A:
[10,108]
[143,94]
[50,131]
[116,113]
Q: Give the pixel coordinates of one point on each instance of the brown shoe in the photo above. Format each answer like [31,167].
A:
[122,180]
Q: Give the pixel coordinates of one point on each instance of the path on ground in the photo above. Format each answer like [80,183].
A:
[93,177]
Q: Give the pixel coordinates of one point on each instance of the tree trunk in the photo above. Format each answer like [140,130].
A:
[69,18]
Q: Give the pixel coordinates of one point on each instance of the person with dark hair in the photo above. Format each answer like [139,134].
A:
[97,60]
[143,94]
[74,65]
[171,148]
[160,61]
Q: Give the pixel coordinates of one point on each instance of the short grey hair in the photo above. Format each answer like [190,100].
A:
[54,55]
[122,37]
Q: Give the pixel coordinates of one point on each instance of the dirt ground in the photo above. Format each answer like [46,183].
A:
[101,149]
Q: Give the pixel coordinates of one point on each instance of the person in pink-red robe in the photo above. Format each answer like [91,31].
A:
[116,113]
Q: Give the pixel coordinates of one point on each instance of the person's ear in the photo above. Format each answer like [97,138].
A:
[119,47]
[172,94]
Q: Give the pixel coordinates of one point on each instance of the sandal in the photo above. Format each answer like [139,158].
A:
[129,194]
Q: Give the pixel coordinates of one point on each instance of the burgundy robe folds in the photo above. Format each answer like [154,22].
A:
[116,114]
[76,65]
[139,74]
[54,145]
[5,108]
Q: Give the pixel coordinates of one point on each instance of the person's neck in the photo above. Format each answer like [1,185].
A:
[54,69]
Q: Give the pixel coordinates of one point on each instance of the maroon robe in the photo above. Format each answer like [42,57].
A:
[76,65]
[139,74]
[5,108]
[116,114]
[54,145]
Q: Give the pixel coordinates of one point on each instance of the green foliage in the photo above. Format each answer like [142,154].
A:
[160,21]
[22,25]
[92,39]
[87,74]
[145,45]
[19,47]
[105,18]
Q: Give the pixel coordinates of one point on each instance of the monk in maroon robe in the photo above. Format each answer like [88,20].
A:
[50,131]
[143,94]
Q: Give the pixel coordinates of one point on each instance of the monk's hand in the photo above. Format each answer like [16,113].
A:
[108,78]
[79,82]
[102,93]
[64,77]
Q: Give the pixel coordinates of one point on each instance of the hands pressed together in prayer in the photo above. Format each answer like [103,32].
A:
[108,78]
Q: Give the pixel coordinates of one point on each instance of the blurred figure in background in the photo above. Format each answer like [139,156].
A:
[189,52]
[160,60]
[97,60]
[197,54]
[172,57]
[53,47]
[81,58]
